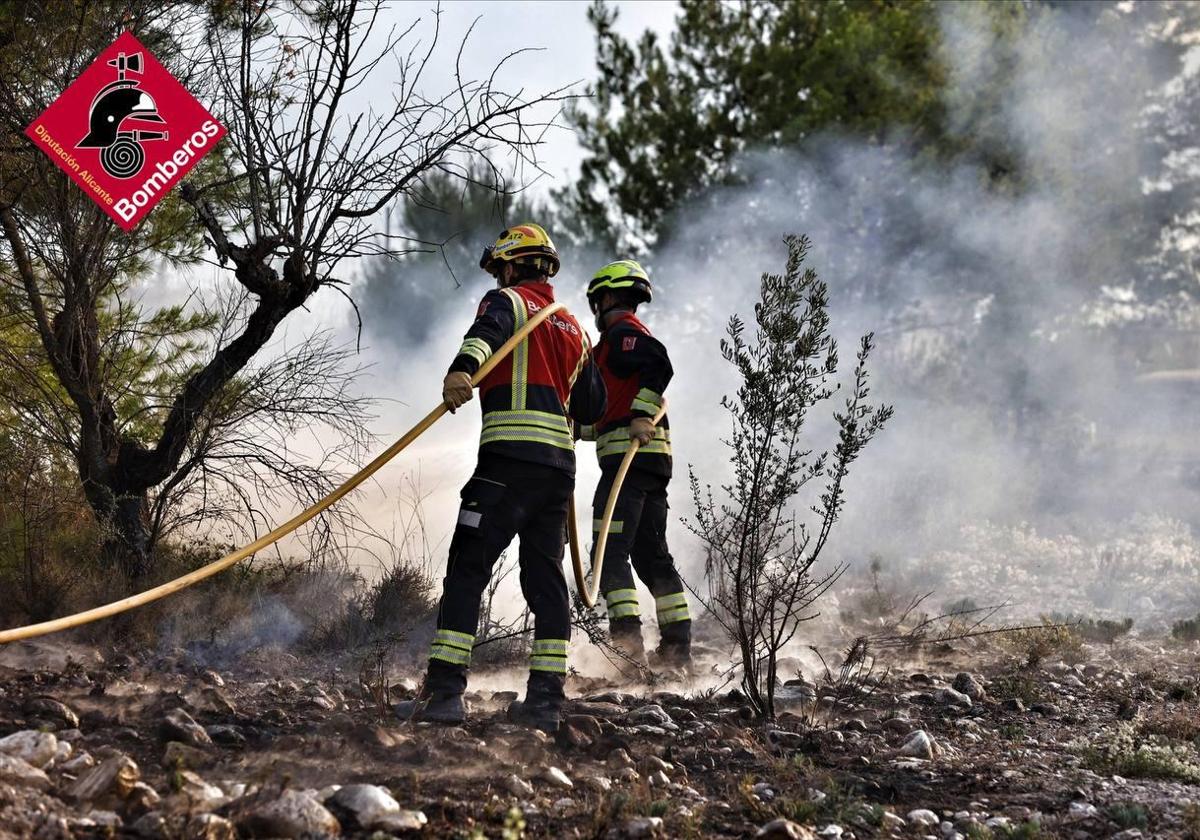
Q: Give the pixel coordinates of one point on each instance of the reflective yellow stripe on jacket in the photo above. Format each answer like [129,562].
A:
[527,426]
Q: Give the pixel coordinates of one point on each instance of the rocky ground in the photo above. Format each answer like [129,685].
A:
[970,743]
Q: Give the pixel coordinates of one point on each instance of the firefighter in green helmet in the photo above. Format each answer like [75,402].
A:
[636,371]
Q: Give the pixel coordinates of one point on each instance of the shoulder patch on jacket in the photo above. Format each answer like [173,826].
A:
[628,342]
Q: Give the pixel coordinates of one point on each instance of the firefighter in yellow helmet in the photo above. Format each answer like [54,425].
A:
[636,371]
[523,482]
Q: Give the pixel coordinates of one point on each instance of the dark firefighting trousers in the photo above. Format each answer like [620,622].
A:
[639,532]
[507,498]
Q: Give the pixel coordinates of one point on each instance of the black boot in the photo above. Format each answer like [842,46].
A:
[674,651]
[441,697]
[626,635]
[542,706]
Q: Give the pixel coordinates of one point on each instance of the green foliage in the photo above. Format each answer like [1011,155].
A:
[666,120]
[759,553]
[1128,814]
[1125,753]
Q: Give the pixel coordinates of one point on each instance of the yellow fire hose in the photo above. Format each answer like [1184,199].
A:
[590,593]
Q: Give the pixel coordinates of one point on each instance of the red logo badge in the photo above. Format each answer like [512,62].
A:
[126,131]
[628,342]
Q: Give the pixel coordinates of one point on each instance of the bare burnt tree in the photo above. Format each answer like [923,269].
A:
[282,204]
[759,555]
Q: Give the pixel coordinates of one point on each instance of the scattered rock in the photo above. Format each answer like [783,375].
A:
[782,828]
[924,818]
[402,821]
[20,773]
[36,748]
[209,827]
[1045,709]
[141,799]
[918,745]
[951,697]
[642,827]
[652,714]
[557,777]
[51,709]
[109,781]
[78,764]
[1013,704]
[970,686]
[619,758]
[364,804]
[517,786]
[179,726]
[229,736]
[294,814]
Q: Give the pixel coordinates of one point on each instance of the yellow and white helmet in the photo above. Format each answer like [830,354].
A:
[527,244]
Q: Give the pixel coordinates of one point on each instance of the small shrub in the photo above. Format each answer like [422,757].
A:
[1124,754]
[1036,644]
[1128,815]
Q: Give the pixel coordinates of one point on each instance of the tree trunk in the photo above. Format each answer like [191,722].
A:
[127,540]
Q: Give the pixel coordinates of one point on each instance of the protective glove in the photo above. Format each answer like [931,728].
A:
[641,429]
[457,390]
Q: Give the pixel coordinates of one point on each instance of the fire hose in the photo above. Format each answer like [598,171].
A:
[588,593]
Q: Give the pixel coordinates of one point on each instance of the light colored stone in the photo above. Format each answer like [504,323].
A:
[782,828]
[640,827]
[36,748]
[557,778]
[20,773]
[294,814]
[918,745]
[517,786]
[366,802]
[178,725]
[950,697]
[402,821]
[924,818]
[113,777]
[651,714]
[78,764]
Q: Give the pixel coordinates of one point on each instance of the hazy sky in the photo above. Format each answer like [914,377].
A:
[559,29]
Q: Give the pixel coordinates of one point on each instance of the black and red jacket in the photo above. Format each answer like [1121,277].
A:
[550,377]
[636,371]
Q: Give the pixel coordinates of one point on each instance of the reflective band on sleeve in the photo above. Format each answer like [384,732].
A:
[622,603]
[549,655]
[452,646]
[616,526]
[477,349]
[672,608]
[648,401]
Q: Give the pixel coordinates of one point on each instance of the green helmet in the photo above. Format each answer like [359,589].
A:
[622,274]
